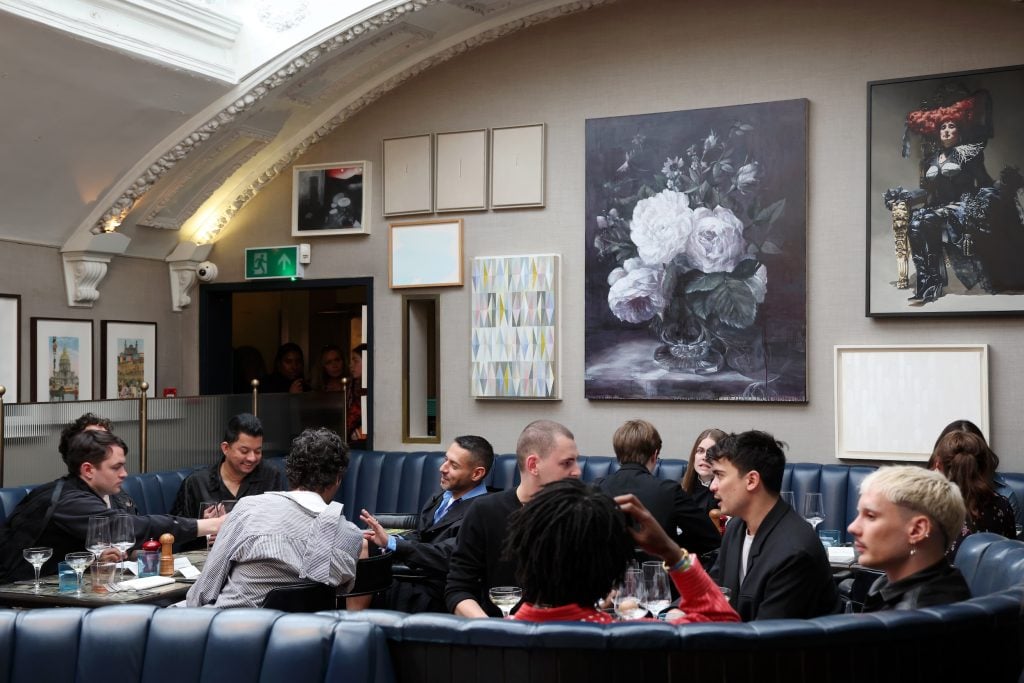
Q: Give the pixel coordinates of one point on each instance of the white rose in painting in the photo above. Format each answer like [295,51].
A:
[661,225]
[635,295]
[716,244]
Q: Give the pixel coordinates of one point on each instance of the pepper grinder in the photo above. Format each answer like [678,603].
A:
[166,556]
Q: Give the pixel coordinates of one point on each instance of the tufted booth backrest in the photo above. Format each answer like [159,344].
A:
[901,646]
[402,482]
[143,643]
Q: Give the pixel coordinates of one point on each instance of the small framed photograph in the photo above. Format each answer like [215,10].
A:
[331,199]
[892,402]
[61,360]
[425,254]
[407,175]
[10,340]
[129,358]
[517,167]
[460,165]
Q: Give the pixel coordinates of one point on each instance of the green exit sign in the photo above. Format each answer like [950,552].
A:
[272,263]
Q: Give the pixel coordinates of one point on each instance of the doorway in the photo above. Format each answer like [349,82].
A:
[242,325]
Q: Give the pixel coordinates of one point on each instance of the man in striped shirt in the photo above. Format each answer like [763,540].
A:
[281,538]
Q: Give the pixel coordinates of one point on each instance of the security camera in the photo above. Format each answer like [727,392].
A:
[207,271]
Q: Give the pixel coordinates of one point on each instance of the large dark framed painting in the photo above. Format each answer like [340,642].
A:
[945,234]
[696,254]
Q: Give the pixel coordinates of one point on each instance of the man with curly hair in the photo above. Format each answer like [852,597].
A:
[280,538]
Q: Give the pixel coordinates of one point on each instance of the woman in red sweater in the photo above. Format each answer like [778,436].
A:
[571,544]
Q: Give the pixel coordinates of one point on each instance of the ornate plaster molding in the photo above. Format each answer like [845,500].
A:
[182,265]
[371,96]
[113,216]
[85,266]
[481,7]
[159,216]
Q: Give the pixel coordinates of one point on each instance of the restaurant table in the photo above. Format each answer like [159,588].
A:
[22,593]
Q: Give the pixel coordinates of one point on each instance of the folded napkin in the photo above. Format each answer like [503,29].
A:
[840,554]
[143,584]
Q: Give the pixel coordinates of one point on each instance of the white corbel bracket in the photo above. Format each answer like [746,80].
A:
[86,258]
[182,265]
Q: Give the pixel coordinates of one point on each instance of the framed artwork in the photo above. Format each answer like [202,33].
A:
[517,166]
[61,360]
[425,254]
[892,402]
[407,175]
[129,358]
[331,199]
[461,171]
[10,345]
[514,327]
[945,235]
[695,284]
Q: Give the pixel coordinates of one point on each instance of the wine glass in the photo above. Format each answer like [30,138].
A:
[79,562]
[787,496]
[630,599]
[97,538]
[505,598]
[122,536]
[37,557]
[814,509]
[656,589]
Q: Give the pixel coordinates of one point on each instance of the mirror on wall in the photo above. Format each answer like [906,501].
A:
[420,363]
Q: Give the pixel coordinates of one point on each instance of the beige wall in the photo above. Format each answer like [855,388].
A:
[136,290]
[634,56]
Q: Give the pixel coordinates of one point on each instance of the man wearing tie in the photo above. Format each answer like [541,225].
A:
[428,548]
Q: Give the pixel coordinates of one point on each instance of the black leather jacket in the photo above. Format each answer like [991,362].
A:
[939,584]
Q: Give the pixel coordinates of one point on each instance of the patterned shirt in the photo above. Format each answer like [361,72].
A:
[277,539]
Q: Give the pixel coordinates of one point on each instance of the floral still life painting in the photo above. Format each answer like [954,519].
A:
[696,254]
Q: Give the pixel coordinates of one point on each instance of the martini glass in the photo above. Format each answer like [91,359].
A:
[78,562]
[37,557]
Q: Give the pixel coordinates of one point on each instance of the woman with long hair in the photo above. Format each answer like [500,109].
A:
[966,461]
[697,479]
[998,483]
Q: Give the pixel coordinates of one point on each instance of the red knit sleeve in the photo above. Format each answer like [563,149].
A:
[700,598]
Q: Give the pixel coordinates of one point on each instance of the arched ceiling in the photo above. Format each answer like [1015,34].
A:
[99,139]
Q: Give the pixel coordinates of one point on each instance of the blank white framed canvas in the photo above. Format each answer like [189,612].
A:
[407,175]
[891,402]
[460,171]
[517,166]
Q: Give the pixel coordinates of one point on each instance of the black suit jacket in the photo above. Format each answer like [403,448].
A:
[788,574]
[673,507]
[427,549]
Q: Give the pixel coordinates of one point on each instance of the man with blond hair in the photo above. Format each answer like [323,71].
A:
[546,452]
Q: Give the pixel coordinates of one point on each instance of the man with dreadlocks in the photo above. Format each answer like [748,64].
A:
[546,452]
[552,542]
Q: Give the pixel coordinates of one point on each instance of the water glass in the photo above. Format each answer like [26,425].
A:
[149,562]
[630,598]
[787,497]
[67,578]
[103,575]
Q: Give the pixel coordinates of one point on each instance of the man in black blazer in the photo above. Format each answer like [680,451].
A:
[637,445]
[771,560]
[428,548]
